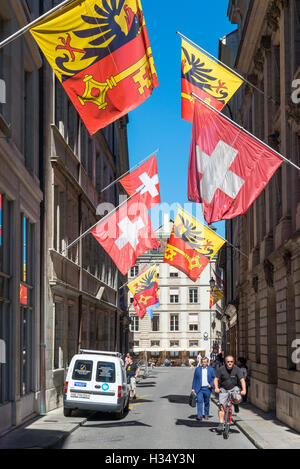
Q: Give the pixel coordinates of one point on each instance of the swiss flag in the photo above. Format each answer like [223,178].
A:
[146,175]
[228,168]
[127,233]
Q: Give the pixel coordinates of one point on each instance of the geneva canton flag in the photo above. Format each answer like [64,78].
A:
[207,79]
[100,52]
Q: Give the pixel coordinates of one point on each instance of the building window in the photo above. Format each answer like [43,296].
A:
[155,343]
[193,343]
[155,323]
[136,343]
[6,367]
[154,354]
[174,343]
[26,306]
[134,271]
[174,296]
[59,336]
[134,326]
[174,322]
[193,293]
[193,322]
[174,354]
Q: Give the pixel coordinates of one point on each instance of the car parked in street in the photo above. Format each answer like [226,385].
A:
[96,380]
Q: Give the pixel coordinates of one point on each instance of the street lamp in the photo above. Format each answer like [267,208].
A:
[212,282]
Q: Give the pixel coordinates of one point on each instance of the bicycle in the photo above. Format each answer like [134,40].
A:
[228,415]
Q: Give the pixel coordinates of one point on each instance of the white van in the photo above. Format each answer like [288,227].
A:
[96,380]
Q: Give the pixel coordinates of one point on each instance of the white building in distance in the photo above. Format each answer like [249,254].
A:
[183,325]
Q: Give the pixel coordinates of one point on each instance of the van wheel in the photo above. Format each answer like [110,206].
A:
[120,415]
[67,412]
[126,408]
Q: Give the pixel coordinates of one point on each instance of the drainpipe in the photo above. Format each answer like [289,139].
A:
[79,341]
[43,244]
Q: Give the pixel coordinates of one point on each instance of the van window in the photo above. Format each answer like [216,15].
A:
[83,370]
[106,372]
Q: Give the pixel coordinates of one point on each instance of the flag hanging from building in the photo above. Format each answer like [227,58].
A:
[23,295]
[206,78]
[228,168]
[100,52]
[150,309]
[215,296]
[191,245]
[221,284]
[146,175]
[145,291]
[127,233]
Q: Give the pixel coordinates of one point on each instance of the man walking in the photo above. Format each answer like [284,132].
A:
[132,372]
[203,385]
[229,378]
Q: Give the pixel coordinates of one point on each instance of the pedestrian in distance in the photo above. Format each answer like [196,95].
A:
[127,358]
[199,358]
[132,371]
[191,363]
[229,378]
[219,361]
[242,364]
[203,384]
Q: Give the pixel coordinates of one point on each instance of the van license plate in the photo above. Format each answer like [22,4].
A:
[80,395]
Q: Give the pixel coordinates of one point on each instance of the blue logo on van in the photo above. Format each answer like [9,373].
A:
[105,387]
[80,385]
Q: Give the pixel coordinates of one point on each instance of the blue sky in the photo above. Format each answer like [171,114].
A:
[157,122]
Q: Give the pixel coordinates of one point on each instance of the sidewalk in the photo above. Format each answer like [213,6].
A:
[263,429]
[43,432]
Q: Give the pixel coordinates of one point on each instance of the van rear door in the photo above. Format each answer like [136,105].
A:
[80,386]
[106,382]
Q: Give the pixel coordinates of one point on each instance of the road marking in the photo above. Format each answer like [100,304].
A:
[133,404]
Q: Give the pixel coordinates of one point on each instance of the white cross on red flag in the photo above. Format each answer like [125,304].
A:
[127,233]
[145,175]
[228,168]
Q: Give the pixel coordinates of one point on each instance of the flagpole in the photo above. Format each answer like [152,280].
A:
[130,170]
[37,20]
[100,221]
[125,284]
[246,131]
[222,63]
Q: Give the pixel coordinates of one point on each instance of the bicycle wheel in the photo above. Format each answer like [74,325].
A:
[226,431]
[227,424]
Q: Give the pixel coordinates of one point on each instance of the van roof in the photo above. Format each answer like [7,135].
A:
[100,352]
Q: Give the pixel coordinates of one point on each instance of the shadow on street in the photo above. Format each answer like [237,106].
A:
[177,399]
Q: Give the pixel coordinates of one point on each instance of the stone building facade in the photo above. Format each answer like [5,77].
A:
[20,219]
[183,325]
[51,176]
[263,290]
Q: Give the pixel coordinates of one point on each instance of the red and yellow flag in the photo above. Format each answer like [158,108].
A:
[215,296]
[145,290]
[100,52]
[191,245]
[206,78]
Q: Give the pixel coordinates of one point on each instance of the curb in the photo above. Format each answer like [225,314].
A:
[41,433]
[248,431]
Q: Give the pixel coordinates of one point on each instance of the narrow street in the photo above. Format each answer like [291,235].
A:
[159,418]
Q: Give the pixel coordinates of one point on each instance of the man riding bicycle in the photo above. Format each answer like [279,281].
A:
[229,378]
